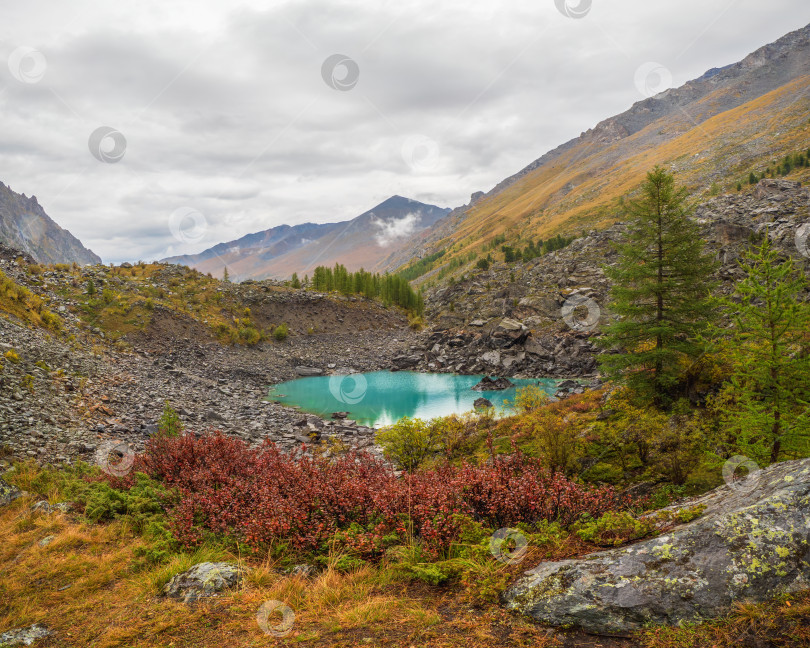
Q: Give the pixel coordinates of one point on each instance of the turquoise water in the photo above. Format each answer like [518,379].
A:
[383,397]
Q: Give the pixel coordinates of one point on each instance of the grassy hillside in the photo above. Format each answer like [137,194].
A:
[132,302]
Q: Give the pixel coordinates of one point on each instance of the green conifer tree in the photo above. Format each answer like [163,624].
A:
[765,403]
[661,292]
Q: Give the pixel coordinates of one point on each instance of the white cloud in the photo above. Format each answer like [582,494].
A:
[395,228]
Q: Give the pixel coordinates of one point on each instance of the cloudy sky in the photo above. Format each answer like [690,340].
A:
[150,128]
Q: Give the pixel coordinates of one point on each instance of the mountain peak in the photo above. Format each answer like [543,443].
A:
[25,226]
[364,241]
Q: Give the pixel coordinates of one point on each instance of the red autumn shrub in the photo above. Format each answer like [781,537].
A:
[262,496]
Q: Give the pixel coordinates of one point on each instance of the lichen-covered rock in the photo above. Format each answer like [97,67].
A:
[751,543]
[8,493]
[44,507]
[24,636]
[202,581]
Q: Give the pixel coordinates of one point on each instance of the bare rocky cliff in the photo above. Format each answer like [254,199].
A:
[24,225]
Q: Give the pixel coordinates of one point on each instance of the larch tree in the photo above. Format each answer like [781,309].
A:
[765,402]
[661,292]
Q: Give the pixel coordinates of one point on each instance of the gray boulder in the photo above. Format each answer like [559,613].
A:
[24,636]
[203,581]
[482,403]
[489,384]
[508,324]
[8,493]
[303,570]
[308,371]
[750,544]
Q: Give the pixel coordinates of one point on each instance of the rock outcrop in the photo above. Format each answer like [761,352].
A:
[489,384]
[751,543]
[203,581]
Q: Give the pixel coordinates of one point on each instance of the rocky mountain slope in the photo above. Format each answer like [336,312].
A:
[25,226]
[538,318]
[711,132]
[364,241]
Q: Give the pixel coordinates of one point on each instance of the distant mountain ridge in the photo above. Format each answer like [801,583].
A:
[25,226]
[365,241]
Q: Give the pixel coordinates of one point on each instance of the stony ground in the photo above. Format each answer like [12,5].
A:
[67,393]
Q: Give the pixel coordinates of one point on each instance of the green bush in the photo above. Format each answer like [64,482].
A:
[409,442]
[249,335]
[169,423]
[459,436]
[344,563]
[281,332]
[142,504]
[51,320]
[430,573]
[530,397]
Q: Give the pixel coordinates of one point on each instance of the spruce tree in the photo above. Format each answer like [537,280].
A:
[765,403]
[661,292]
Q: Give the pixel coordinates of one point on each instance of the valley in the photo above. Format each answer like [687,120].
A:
[572,413]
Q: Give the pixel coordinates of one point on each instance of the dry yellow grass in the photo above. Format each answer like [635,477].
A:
[84,587]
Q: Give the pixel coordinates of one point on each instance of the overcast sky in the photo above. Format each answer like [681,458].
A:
[223,120]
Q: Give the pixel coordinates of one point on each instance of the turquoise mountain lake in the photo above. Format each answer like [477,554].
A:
[383,397]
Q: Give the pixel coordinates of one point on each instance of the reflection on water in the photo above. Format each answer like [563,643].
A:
[383,397]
